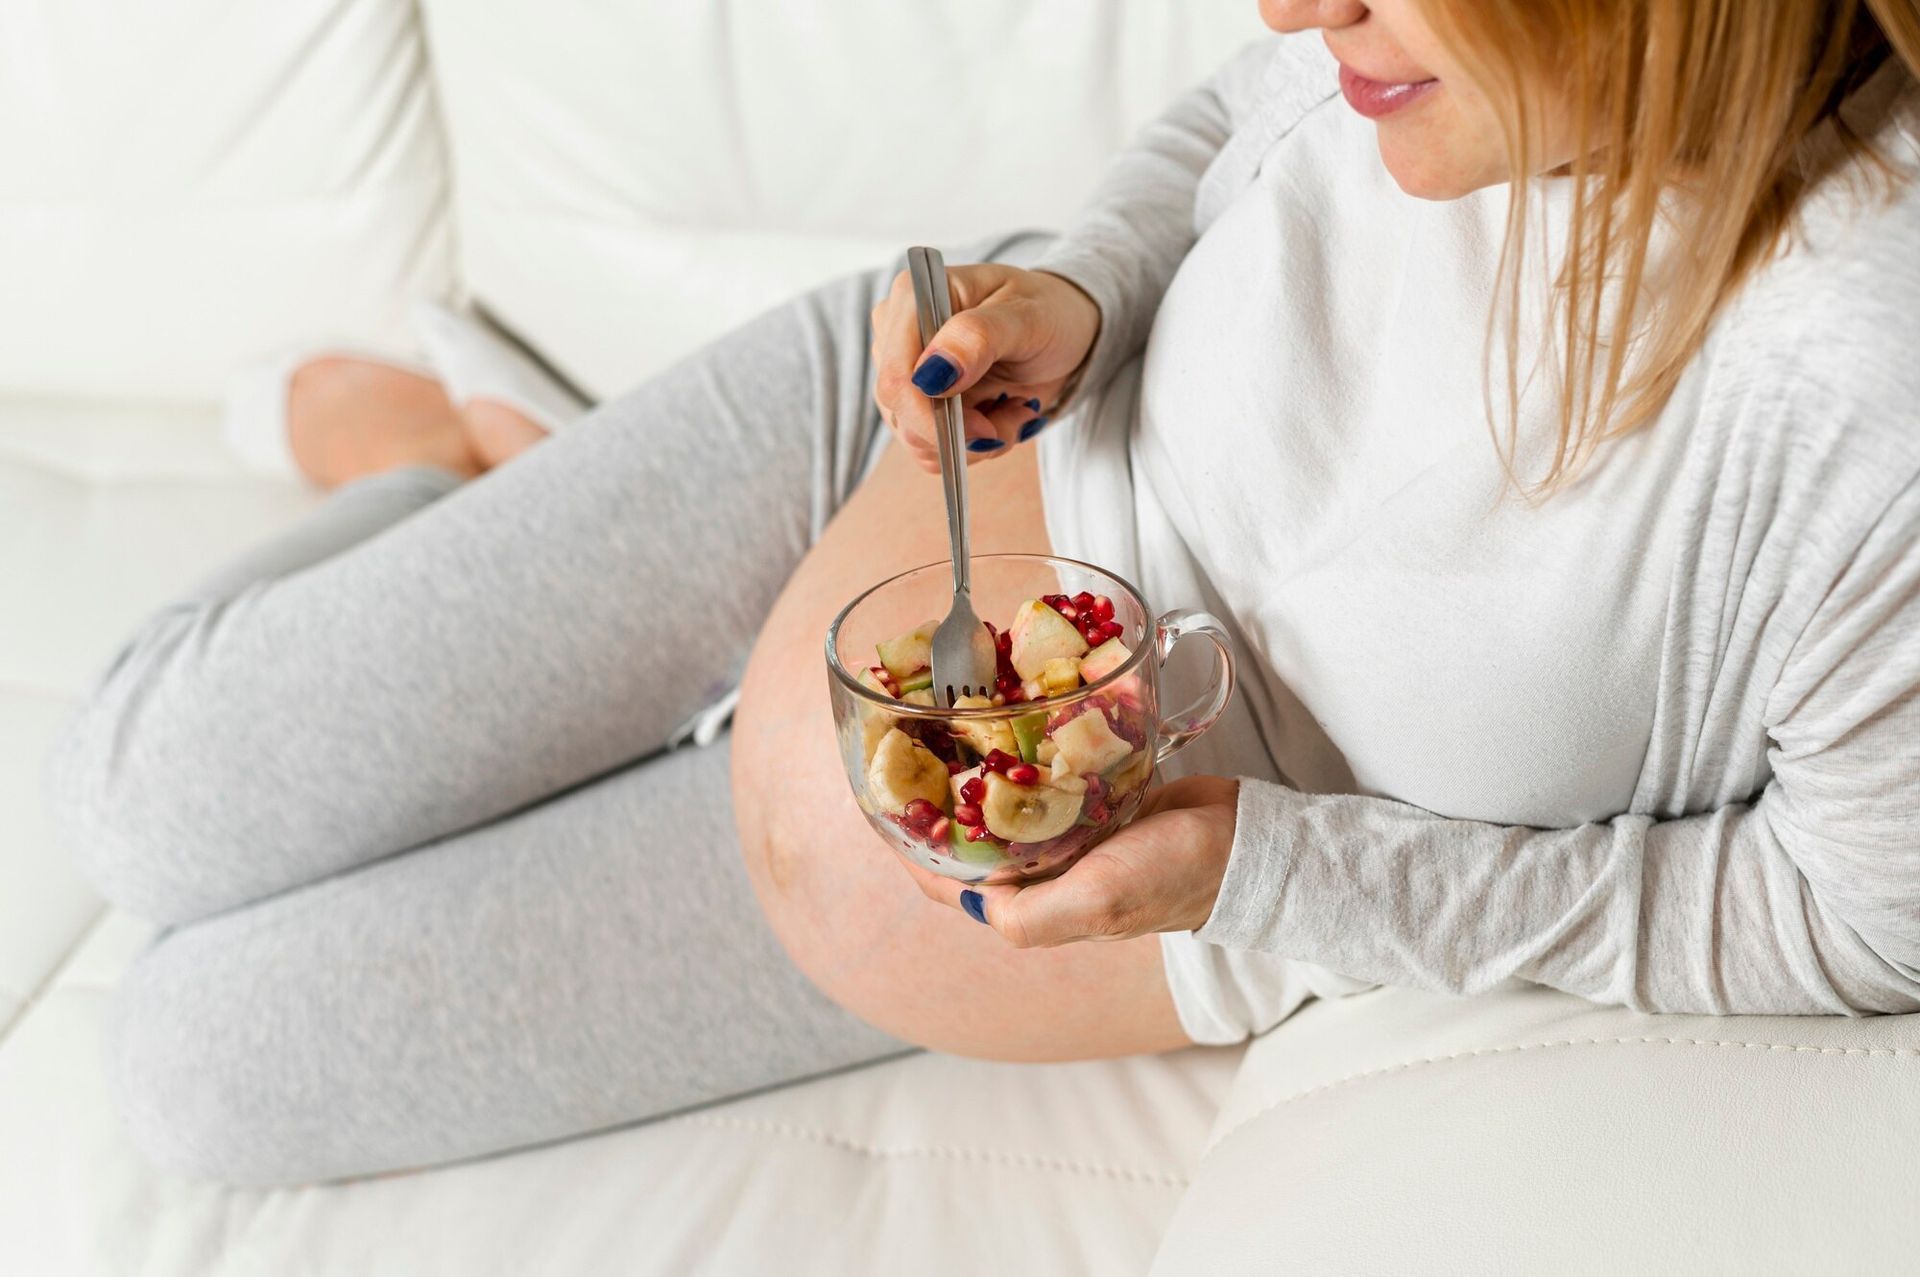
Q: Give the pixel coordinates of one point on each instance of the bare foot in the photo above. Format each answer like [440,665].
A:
[497,432]
[347,418]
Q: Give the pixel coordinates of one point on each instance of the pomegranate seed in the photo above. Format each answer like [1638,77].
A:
[972,792]
[1098,813]
[1023,774]
[1069,611]
[1016,696]
[978,834]
[998,761]
[939,830]
[1102,609]
[1083,600]
[968,814]
[1004,642]
[921,813]
[955,767]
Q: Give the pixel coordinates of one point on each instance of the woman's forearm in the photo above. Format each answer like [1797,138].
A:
[1709,913]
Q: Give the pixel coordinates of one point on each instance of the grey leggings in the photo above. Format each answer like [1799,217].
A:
[397,784]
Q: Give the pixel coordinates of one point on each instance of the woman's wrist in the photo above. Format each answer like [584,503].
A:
[1247,906]
[1071,387]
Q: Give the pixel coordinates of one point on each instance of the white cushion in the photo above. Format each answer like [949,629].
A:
[634,179]
[1528,1131]
[187,183]
[44,903]
[929,1165]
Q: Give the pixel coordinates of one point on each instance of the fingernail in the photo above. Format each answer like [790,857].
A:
[984,445]
[936,376]
[996,403]
[1033,405]
[1032,428]
[976,907]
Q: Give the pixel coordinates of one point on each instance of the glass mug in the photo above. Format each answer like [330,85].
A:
[1080,783]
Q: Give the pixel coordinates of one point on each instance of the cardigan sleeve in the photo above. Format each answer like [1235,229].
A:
[1804,900]
[1125,246]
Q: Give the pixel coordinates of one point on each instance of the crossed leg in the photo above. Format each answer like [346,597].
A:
[395,785]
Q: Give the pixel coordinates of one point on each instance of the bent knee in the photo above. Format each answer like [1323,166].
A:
[131,793]
[130,850]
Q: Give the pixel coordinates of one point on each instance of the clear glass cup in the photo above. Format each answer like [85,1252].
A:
[1093,775]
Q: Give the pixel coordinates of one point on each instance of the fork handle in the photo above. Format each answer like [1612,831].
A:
[935,306]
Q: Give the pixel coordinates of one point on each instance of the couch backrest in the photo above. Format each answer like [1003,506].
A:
[186,182]
[183,182]
[631,179]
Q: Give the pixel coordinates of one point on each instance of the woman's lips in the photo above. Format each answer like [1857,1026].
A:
[1373,99]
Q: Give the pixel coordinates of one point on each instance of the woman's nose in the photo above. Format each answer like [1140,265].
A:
[1307,15]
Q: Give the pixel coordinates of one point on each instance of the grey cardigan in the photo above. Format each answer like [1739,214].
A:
[1770,859]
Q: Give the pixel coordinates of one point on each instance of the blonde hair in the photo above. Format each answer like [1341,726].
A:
[1713,98]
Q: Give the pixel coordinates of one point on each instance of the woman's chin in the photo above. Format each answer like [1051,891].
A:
[1429,173]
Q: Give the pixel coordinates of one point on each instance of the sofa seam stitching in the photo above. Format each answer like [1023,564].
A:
[1404,1066]
[935,1151]
[45,984]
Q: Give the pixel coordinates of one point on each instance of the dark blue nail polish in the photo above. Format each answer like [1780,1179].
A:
[984,445]
[976,907]
[1032,428]
[936,376]
[996,403]
[1033,405]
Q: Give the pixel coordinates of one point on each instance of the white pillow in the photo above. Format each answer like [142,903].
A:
[183,184]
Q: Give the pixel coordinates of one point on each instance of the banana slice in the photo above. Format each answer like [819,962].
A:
[902,770]
[984,734]
[1027,813]
[874,721]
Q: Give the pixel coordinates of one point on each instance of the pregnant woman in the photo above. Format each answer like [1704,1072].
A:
[1532,387]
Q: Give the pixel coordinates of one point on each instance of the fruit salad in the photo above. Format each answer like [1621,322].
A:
[1024,792]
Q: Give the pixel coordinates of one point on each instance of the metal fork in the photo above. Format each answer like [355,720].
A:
[964,661]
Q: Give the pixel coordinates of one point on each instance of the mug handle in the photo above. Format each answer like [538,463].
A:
[1177,730]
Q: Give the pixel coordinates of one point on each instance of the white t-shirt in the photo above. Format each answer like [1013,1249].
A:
[1312,418]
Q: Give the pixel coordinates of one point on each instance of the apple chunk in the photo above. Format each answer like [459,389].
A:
[1088,743]
[910,653]
[984,734]
[1041,634]
[1104,660]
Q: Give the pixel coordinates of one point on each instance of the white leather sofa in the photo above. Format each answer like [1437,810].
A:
[187,182]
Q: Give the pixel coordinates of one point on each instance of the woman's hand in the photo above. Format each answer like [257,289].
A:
[1015,339]
[1160,873]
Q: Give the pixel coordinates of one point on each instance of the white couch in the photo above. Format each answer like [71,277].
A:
[186,182]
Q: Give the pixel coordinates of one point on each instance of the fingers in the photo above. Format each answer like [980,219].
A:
[1041,915]
[1062,910]
[990,326]
[997,422]
[967,346]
